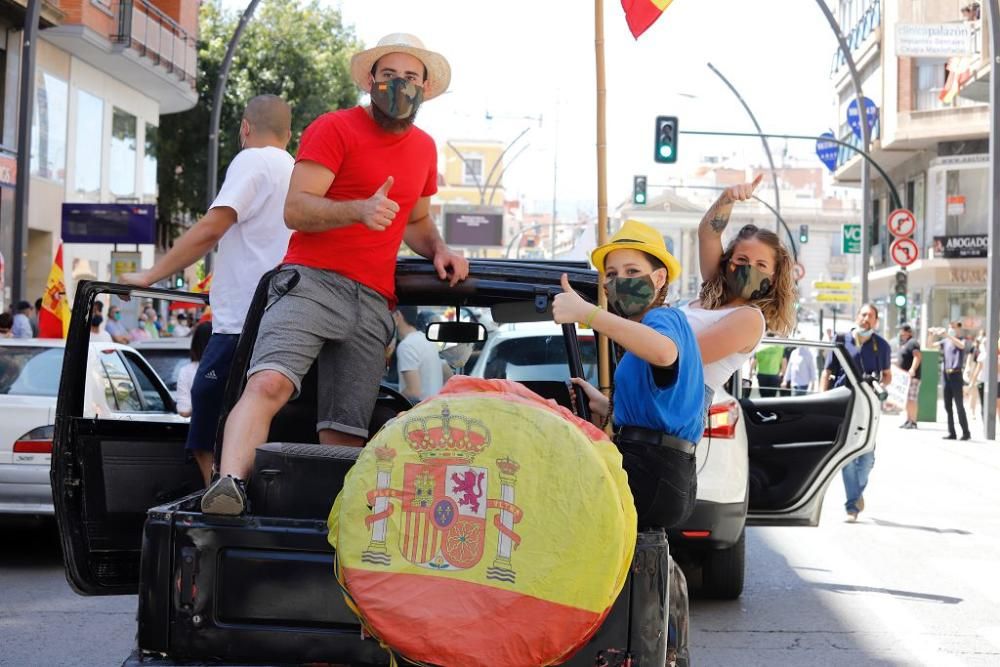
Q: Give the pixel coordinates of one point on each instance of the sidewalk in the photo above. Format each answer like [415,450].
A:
[976,425]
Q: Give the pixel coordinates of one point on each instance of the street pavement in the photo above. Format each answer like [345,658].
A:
[914,582]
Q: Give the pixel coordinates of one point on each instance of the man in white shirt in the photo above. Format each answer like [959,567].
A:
[247,221]
[800,371]
[97,334]
[421,371]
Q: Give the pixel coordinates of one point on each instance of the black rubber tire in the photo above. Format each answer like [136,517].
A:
[723,571]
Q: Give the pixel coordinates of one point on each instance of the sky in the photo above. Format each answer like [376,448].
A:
[531,64]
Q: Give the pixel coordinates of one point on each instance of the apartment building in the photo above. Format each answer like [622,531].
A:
[925,65]
[105,72]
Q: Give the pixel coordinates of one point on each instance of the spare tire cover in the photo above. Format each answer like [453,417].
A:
[486,526]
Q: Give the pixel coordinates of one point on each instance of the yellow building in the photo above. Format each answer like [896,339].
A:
[472,173]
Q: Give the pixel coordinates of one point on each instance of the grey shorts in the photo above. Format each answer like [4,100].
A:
[343,324]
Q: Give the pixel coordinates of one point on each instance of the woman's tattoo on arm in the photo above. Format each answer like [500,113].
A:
[718,217]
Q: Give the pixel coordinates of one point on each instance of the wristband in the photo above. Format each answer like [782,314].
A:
[590,317]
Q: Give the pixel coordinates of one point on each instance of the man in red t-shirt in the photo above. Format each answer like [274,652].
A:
[361,185]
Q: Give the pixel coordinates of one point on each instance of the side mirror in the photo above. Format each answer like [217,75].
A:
[456,332]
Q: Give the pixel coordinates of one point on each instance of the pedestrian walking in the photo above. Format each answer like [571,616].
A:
[872,355]
[361,185]
[953,344]
[246,220]
[909,361]
[768,364]
[800,372]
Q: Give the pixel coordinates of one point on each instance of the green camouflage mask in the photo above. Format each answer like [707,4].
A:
[630,296]
[747,281]
[397,98]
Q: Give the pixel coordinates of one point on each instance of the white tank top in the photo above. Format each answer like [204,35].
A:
[718,372]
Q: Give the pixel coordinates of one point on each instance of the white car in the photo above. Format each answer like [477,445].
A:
[120,385]
[167,356]
[755,454]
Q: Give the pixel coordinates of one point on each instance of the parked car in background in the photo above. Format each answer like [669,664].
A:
[167,356]
[120,384]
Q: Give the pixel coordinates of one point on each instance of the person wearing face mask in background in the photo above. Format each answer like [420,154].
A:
[361,185]
[872,355]
[114,326]
[953,346]
[246,221]
[656,406]
[747,289]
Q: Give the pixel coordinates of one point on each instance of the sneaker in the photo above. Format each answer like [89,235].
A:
[852,517]
[226,496]
[905,424]
[860,504]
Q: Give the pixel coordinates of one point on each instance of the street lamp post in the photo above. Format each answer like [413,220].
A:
[993,267]
[763,140]
[213,127]
[866,203]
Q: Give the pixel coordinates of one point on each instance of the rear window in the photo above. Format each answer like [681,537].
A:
[539,358]
[167,363]
[30,371]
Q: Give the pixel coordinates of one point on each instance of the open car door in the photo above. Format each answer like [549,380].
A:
[107,470]
[798,442]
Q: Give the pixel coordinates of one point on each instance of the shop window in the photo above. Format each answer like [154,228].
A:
[123,154]
[89,140]
[48,127]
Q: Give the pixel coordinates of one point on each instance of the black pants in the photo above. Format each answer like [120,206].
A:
[663,481]
[953,389]
[768,385]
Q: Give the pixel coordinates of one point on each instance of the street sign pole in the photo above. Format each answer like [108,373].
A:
[993,267]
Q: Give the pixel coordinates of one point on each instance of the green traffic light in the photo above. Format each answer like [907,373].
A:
[900,300]
[640,199]
[666,152]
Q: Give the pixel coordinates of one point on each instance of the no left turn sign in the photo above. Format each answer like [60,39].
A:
[902,222]
[904,251]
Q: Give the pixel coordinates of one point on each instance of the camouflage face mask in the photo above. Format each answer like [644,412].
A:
[747,282]
[630,296]
[397,98]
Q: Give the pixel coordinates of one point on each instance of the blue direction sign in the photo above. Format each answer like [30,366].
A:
[871,111]
[827,151]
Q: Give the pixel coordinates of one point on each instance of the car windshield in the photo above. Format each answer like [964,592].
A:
[30,371]
[167,363]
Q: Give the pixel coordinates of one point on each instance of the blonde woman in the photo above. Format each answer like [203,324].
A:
[747,289]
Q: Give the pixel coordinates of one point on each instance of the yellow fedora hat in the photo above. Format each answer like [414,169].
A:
[638,236]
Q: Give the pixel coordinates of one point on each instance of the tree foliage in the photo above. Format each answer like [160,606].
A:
[294,49]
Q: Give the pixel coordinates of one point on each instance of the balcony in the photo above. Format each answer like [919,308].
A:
[136,43]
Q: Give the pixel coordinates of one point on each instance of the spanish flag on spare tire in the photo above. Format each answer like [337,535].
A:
[486,526]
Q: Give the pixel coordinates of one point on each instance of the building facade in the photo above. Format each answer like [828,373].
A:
[105,72]
[925,65]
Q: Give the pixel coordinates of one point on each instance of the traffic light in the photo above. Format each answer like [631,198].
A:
[666,139]
[803,233]
[178,280]
[639,190]
[900,297]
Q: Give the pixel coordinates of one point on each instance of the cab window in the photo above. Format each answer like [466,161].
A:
[153,400]
[119,388]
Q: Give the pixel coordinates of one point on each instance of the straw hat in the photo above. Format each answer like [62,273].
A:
[638,236]
[438,69]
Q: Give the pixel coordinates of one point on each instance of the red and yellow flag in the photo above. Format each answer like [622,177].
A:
[53,319]
[641,14]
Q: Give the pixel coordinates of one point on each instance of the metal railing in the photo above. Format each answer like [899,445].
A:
[145,28]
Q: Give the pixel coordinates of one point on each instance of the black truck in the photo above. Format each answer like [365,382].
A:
[259,589]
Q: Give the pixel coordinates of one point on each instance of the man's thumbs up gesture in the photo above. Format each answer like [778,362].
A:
[378,211]
[568,306]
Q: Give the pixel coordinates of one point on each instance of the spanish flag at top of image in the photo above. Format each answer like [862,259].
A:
[640,14]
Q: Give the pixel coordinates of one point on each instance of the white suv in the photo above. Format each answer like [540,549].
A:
[756,456]
[120,385]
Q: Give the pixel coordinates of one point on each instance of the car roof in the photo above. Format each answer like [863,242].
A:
[529,329]
[169,343]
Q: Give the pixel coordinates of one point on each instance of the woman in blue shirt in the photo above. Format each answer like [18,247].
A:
[657,403]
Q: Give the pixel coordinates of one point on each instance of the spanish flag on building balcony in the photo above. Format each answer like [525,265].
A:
[641,14]
[959,74]
[53,319]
